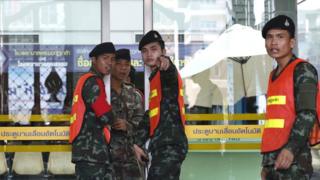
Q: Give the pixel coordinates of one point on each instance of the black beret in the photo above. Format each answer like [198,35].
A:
[279,22]
[106,47]
[151,36]
[123,54]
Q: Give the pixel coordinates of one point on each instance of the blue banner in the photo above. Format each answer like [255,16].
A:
[24,62]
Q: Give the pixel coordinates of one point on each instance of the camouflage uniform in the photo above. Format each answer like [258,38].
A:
[305,75]
[90,151]
[169,145]
[126,105]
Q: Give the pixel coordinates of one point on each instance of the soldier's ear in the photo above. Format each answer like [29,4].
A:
[164,52]
[94,60]
[292,42]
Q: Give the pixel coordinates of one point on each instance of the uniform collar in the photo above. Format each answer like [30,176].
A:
[274,76]
[94,71]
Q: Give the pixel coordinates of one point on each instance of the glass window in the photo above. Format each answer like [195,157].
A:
[126,27]
[228,80]
[220,52]
[44,47]
[309,31]
[127,30]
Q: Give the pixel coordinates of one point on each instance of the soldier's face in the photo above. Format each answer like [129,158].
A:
[120,69]
[151,53]
[103,62]
[279,44]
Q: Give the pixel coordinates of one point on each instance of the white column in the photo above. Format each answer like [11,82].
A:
[147,26]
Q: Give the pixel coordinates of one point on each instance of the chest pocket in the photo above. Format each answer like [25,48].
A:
[130,105]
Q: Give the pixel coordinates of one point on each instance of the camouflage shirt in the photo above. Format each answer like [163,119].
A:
[126,105]
[90,145]
[170,130]
[305,75]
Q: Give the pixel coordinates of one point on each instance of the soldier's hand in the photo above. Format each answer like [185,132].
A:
[163,63]
[120,124]
[263,174]
[140,154]
[284,159]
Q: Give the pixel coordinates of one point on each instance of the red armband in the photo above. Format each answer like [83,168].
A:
[101,106]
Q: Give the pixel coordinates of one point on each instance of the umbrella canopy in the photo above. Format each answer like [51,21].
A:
[237,41]
[200,91]
[227,82]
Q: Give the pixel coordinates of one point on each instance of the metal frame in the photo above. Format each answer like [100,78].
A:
[105,20]
[105,36]
[147,26]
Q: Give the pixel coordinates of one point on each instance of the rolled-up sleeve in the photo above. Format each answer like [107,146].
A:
[305,92]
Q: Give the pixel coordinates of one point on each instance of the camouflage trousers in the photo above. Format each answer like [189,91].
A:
[93,171]
[128,171]
[125,164]
[166,163]
[295,172]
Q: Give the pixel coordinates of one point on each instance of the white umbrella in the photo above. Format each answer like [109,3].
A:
[237,41]
[240,51]
[213,85]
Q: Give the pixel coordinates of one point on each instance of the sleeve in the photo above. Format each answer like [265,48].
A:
[95,97]
[305,91]
[142,132]
[169,77]
[137,114]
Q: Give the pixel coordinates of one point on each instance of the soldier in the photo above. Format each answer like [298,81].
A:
[128,110]
[291,106]
[165,119]
[91,115]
